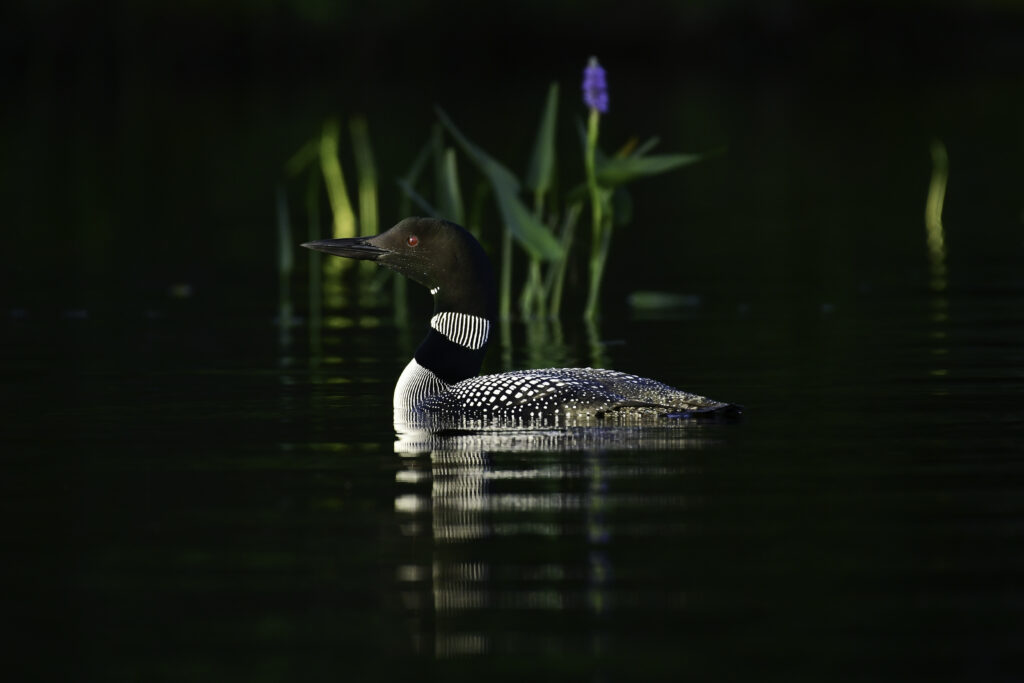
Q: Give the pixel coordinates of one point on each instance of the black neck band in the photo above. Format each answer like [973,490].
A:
[449,361]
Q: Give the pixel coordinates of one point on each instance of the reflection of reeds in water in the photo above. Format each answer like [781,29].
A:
[285,264]
[330,292]
[936,239]
[315,270]
[545,345]
[936,242]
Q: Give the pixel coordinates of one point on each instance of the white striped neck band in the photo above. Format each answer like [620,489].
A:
[463,329]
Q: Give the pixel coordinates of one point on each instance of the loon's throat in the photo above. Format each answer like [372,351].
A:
[415,385]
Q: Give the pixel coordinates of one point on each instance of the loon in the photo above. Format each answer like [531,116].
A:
[440,386]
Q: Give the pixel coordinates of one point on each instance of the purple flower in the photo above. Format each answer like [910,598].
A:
[595,89]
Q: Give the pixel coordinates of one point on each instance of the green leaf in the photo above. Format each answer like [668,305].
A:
[366,176]
[533,235]
[413,174]
[541,172]
[437,156]
[334,180]
[451,196]
[646,147]
[306,155]
[498,174]
[614,171]
[662,301]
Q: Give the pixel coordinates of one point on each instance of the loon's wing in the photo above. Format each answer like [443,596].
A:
[566,394]
[612,391]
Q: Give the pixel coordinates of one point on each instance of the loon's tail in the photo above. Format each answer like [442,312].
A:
[703,409]
[719,411]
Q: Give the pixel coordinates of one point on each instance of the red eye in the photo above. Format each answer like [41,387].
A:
[413,240]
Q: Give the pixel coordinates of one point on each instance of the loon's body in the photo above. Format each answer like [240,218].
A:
[440,387]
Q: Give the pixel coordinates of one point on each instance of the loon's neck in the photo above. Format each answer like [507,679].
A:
[454,347]
[465,307]
[452,351]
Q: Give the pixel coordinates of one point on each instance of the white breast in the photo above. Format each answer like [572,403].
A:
[415,384]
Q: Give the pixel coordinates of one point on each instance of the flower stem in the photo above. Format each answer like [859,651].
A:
[505,285]
[532,304]
[558,274]
[598,239]
[533,300]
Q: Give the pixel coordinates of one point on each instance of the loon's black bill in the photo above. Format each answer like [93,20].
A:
[349,247]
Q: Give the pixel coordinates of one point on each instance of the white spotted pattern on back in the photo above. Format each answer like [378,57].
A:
[549,397]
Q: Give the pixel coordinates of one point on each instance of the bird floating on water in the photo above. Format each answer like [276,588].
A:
[440,388]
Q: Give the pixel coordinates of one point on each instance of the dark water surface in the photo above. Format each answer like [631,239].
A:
[190,498]
[189,513]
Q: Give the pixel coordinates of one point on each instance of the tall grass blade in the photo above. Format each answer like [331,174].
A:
[366,190]
[300,161]
[541,173]
[935,232]
[646,147]
[344,218]
[366,176]
[437,158]
[620,170]
[532,300]
[285,265]
[540,177]
[533,235]
[505,277]
[598,353]
[412,176]
[315,269]
[451,195]
[498,174]
[557,273]
[334,179]
[416,198]
[476,208]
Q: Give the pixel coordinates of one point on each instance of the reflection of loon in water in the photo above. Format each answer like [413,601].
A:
[564,440]
[439,388]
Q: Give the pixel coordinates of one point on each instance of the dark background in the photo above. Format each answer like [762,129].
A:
[189,496]
[143,141]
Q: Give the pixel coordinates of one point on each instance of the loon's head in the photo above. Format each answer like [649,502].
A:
[442,256]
